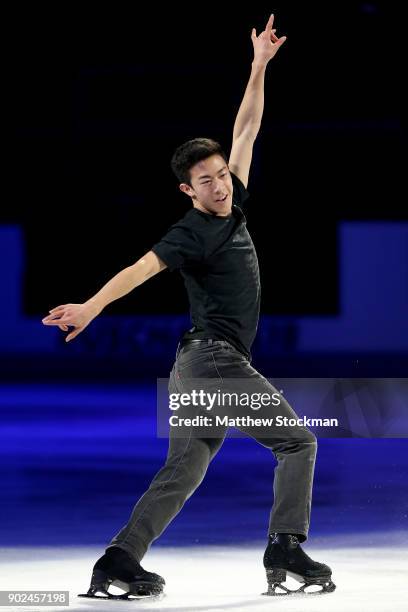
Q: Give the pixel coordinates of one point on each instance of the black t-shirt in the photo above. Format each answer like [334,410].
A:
[217,260]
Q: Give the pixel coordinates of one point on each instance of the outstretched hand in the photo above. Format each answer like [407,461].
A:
[74,315]
[267,43]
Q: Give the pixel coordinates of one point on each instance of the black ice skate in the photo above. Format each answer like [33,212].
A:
[117,568]
[284,555]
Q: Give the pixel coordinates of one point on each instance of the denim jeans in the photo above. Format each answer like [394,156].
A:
[189,457]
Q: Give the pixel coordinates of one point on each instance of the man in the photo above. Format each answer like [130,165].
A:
[213,250]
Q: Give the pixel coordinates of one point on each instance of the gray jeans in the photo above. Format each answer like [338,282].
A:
[188,458]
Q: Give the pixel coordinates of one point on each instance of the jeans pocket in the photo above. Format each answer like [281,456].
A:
[188,363]
[200,367]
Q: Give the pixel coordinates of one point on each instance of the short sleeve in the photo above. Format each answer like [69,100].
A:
[180,246]
[240,193]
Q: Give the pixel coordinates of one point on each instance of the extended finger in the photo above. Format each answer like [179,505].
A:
[52,318]
[58,307]
[270,22]
[61,321]
[73,334]
[280,41]
[56,313]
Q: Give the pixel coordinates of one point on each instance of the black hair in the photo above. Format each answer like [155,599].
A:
[191,152]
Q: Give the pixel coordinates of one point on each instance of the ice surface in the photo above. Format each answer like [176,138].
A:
[368,577]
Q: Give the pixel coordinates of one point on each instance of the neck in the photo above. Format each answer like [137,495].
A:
[210,212]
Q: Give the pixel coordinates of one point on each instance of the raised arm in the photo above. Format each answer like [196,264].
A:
[80,315]
[249,117]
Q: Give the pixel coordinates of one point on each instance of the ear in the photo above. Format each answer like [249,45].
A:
[187,190]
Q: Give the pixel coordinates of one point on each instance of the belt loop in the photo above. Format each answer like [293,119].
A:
[210,341]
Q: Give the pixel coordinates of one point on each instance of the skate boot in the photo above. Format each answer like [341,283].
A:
[284,555]
[117,568]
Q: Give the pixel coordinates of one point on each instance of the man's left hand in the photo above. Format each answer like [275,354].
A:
[267,43]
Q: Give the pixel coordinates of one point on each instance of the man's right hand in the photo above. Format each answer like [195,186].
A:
[80,315]
[74,315]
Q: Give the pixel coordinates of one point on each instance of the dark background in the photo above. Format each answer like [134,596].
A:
[102,97]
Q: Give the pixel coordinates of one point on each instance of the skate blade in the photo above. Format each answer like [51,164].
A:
[123,596]
[312,586]
[329,587]
[101,583]
[101,591]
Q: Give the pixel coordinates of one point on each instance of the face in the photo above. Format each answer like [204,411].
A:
[211,186]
